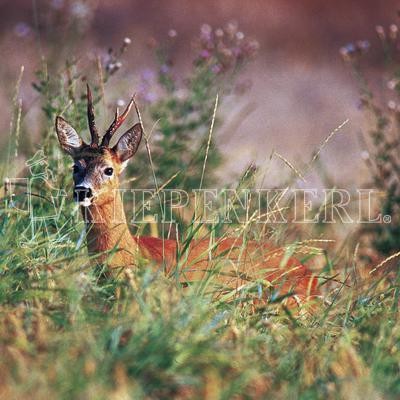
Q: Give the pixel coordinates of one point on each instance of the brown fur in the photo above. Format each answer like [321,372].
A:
[116,246]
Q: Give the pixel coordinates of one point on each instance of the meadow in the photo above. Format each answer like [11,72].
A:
[70,331]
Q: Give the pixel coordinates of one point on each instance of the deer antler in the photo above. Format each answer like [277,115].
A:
[118,121]
[92,125]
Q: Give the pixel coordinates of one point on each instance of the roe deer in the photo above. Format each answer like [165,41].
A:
[96,171]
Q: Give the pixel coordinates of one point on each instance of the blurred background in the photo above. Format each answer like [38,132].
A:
[300,87]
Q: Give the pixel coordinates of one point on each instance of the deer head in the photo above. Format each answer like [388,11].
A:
[97,166]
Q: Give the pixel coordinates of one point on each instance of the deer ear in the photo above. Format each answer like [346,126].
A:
[129,142]
[67,136]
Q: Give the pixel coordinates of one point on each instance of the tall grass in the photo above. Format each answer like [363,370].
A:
[68,332]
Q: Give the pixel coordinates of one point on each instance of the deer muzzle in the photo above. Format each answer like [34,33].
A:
[83,195]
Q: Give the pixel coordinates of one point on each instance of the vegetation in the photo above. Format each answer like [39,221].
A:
[381,141]
[68,332]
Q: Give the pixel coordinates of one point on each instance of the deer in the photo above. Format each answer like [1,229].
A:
[96,171]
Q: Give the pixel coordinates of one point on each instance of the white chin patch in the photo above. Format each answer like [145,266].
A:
[85,203]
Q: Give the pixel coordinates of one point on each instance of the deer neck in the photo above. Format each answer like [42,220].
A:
[108,233]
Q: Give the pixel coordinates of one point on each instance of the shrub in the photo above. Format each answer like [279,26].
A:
[382,144]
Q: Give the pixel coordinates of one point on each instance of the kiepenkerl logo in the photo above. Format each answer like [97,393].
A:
[211,205]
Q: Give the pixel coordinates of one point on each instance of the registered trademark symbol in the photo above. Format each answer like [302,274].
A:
[387,219]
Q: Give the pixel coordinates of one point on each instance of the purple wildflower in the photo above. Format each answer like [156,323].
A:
[22,29]
[205,54]
[172,33]
[150,97]
[148,75]
[57,4]
[216,68]
[164,69]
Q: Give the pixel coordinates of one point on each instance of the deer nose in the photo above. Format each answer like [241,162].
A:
[81,193]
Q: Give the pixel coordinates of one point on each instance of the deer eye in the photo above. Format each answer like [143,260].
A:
[108,171]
